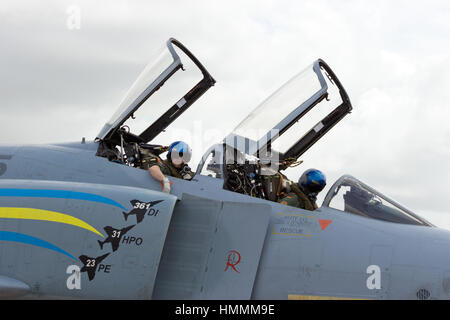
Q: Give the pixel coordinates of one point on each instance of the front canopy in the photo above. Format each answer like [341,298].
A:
[278,130]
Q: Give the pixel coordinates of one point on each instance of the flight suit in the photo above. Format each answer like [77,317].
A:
[297,198]
[184,172]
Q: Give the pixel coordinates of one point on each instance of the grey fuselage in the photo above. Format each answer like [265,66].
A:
[209,243]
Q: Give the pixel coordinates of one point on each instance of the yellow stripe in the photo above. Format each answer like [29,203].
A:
[307,297]
[292,234]
[45,215]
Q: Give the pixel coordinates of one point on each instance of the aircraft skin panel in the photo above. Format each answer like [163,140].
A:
[212,250]
[81,240]
[12,288]
[188,243]
[335,259]
[240,235]
[324,253]
[48,162]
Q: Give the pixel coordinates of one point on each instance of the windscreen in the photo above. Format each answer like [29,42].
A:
[351,195]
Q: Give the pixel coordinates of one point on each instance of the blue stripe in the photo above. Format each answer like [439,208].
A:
[58,194]
[23,238]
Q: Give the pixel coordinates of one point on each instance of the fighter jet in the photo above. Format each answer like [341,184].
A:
[221,235]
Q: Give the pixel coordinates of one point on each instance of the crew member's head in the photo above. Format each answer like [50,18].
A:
[179,152]
[312,182]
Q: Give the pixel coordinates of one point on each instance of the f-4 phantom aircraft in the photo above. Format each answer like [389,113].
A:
[221,235]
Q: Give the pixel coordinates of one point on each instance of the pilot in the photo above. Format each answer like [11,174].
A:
[178,155]
[304,194]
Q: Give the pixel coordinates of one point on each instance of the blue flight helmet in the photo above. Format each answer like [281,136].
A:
[312,181]
[179,150]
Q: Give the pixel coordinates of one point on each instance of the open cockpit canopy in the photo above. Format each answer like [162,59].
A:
[163,111]
[279,130]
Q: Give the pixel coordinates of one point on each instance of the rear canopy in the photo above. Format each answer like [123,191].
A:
[153,77]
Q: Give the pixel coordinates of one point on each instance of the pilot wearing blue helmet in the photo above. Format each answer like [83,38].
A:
[178,155]
[304,194]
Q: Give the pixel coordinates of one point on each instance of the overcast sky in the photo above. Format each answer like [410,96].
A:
[59,83]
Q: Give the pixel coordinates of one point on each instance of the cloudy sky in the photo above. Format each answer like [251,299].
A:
[59,82]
